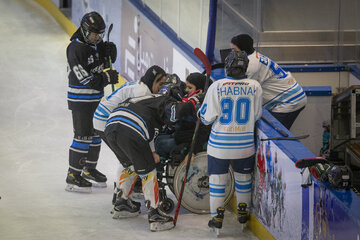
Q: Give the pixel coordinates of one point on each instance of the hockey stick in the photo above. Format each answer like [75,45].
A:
[110,62]
[207,65]
[286,138]
[274,126]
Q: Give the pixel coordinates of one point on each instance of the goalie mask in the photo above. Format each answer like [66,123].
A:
[236,64]
[92,23]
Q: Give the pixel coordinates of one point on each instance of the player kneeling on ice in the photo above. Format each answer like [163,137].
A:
[130,131]
[232,105]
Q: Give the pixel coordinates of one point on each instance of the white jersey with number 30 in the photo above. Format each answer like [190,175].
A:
[232,106]
[281,92]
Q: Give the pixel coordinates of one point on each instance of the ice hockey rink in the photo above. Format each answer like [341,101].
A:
[36,131]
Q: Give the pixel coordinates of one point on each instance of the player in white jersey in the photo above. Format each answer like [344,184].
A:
[282,95]
[232,105]
[150,83]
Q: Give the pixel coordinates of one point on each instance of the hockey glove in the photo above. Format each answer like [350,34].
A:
[110,50]
[197,99]
[110,77]
[319,171]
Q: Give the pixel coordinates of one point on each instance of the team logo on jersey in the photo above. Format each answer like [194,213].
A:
[91,60]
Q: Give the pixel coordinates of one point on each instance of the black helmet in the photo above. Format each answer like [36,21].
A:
[236,64]
[92,23]
[175,90]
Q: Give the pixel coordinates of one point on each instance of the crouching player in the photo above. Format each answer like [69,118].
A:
[232,105]
[130,131]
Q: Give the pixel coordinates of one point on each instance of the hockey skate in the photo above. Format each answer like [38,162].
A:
[76,183]
[243,215]
[216,222]
[159,221]
[125,208]
[97,178]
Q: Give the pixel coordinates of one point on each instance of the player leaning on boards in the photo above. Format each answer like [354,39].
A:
[282,95]
[87,57]
[232,105]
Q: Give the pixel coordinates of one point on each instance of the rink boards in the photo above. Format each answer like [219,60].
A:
[280,204]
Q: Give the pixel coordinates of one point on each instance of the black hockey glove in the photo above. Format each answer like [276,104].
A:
[110,77]
[110,50]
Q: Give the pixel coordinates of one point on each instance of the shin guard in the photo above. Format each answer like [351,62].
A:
[127,181]
[150,189]
[243,188]
[217,184]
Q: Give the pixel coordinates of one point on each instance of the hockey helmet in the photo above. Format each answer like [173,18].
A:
[340,177]
[175,90]
[236,64]
[92,23]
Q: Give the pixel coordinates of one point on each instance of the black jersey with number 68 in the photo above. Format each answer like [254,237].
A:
[85,63]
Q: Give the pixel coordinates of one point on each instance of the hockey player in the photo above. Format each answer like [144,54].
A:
[87,55]
[151,82]
[184,129]
[282,95]
[130,131]
[232,105]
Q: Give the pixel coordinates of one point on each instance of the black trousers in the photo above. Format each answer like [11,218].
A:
[131,148]
[287,119]
[85,148]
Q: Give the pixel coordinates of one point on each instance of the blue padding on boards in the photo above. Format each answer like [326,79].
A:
[314,68]
[295,150]
[355,70]
[305,214]
[318,91]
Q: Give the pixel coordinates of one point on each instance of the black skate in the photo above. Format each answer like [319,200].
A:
[159,221]
[216,222]
[243,214]
[76,183]
[125,208]
[97,178]
[116,195]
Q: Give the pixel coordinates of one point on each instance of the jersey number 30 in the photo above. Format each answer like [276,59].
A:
[238,111]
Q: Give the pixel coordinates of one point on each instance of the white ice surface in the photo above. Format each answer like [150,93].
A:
[35,133]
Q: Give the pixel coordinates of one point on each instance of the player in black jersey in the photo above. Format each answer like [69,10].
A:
[87,57]
[130,131]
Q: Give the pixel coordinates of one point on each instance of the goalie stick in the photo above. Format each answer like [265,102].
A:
[200,54]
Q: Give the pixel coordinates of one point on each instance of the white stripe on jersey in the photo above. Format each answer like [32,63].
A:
[233,106]
[135,119]
[83,91]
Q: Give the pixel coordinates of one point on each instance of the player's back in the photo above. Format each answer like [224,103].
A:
[233,106]
[281,92]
